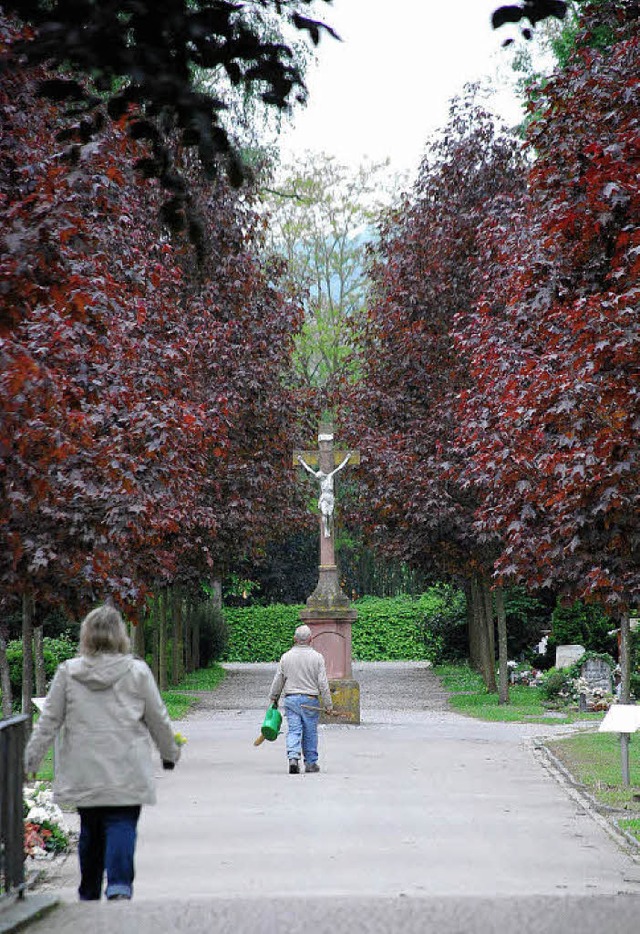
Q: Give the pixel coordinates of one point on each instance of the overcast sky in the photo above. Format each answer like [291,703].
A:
[385,88]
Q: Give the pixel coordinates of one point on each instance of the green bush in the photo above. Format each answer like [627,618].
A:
[582,624]
[528,615]
[394,628]
[556,685]
[444,624]
[55,651]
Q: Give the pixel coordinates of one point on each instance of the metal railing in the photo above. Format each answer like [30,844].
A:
[12,741]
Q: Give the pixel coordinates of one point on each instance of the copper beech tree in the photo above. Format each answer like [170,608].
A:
[427,268]
[554,410]
[501,386]
[144,415]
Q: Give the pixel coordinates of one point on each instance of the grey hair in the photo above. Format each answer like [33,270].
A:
[302,635]
[103,630]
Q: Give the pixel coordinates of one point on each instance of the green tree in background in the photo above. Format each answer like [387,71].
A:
[322,216]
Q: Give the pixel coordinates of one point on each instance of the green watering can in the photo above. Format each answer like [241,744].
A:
[272,723]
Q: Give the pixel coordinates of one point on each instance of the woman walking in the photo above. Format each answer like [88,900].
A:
[103,708]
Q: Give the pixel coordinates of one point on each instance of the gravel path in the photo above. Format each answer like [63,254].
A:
[386,688]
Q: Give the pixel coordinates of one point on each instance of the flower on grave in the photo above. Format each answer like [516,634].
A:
[39,806]
[179,739]
[45,830]
[35,839]
[37,815]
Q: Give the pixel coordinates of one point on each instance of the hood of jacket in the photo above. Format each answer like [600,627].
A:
[99,672]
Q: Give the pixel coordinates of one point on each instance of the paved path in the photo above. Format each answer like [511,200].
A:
[420,819]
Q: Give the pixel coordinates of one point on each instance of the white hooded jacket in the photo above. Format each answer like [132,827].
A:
[103,712]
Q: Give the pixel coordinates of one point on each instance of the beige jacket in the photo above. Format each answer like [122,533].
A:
[103,712]
[302,671]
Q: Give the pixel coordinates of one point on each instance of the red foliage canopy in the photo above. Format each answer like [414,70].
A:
[132,378]
[429,266]
[554,409]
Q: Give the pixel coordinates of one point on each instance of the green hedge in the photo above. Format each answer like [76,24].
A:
[259,633]
[397,628]
[387,629]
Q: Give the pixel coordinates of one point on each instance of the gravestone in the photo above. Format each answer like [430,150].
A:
[597,673]
[568,655]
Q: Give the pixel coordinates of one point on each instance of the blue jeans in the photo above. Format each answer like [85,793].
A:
[302,727]
[107,842]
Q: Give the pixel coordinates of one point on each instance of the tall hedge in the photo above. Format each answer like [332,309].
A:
[260,633]
[387,629]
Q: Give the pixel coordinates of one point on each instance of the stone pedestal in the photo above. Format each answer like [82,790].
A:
[329,616]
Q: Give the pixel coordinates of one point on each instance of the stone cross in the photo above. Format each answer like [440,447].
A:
[328,612]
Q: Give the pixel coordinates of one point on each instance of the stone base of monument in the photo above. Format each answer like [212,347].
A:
[345,693]
[331,635]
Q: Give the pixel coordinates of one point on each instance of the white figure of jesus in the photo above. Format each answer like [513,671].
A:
[327,499]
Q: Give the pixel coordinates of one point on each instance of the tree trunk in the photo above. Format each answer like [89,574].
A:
[138,639]
[162,642]
[38,648]
[489,613]
[155,654]
[473,624]
[625,660]
[483,620]
[180,629]
[503,686]
[187,637]
[5,677]
[481,641]
[488,638]
[216,593]
[27,653]
[195,642]
[176,655]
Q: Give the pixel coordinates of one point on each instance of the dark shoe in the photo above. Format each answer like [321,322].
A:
[118,897]
[312,767]
[294,767]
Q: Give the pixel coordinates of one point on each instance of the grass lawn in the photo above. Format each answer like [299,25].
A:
[469,696]
[206,679]
[632,827]
[594,760]
[45,772]
[179,698]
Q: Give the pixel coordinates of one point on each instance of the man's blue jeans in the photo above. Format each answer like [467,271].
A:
[302,727]
[107,842]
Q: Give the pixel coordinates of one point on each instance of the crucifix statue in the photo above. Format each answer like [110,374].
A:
[324,464]
[327,499]
[329,613]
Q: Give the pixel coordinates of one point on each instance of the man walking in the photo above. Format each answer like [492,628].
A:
[303,677]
